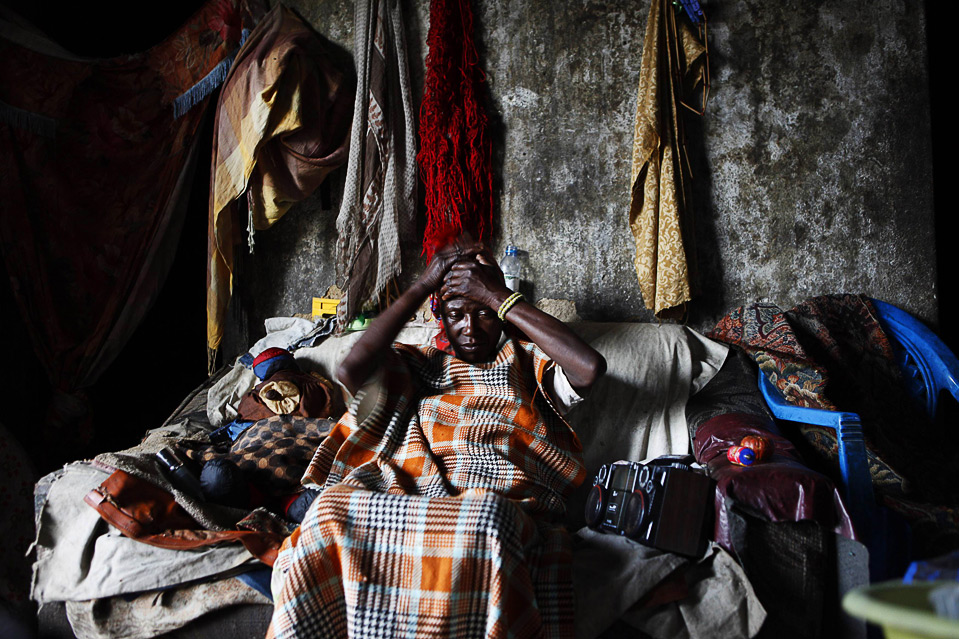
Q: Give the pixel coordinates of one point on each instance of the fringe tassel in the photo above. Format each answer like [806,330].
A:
[250,229]
[27,120]
[196,94]
[211,360]
[455,155]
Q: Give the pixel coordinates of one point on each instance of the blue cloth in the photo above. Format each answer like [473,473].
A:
[258,580]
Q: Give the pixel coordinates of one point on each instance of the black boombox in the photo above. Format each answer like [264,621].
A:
[664,503]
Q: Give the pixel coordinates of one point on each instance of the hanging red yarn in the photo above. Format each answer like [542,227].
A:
[455,150]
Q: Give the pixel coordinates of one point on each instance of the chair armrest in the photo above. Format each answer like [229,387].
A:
[937,365]
[853,466]
[802,414]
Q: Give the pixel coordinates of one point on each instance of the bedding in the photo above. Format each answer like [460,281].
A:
[653,369]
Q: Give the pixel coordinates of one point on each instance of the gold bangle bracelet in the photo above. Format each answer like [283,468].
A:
[508,304]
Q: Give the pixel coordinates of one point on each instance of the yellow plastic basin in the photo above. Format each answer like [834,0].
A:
[902,610]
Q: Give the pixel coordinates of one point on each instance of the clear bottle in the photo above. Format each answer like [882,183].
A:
[512,267]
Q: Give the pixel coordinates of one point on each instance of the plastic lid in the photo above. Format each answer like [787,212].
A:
[511,250]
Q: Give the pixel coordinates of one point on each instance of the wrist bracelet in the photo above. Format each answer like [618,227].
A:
[508,304]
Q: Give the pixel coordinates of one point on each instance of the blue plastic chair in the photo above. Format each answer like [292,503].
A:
[929,369]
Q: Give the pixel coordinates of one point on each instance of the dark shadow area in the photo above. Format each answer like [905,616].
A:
[105,29]
[495,127]
[165,357]
[709,301]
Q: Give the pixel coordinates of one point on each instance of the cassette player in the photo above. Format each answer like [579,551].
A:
[664,503]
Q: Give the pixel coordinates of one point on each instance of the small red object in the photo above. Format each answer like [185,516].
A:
[740,455]
[759,444]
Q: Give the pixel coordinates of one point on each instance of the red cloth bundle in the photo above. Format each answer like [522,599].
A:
[455,148]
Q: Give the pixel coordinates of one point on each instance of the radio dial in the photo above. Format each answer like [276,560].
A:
[635,509]
[601,475]
[644,476]
[594,506]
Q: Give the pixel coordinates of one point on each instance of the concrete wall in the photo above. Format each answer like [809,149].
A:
[813,163]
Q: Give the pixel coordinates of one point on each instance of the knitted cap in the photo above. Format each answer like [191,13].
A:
[272,360]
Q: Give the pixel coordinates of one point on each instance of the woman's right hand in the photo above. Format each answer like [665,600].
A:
[462,248]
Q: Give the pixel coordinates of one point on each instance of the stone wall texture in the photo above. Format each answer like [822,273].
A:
[812,165]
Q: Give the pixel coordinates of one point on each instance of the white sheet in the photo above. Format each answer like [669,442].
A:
[80,556]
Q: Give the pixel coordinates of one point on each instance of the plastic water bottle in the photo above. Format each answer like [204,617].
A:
[512,267]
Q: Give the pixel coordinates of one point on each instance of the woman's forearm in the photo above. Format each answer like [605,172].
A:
[582,364]
[369,352]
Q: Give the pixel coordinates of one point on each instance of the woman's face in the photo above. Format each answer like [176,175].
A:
[472,329]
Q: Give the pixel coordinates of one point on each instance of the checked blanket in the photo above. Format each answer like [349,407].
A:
[442,489]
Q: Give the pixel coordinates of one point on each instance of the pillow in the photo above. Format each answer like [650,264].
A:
[637,410]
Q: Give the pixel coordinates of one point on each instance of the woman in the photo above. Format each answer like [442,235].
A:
[444,486]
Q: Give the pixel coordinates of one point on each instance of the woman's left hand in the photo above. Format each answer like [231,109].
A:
[479,280]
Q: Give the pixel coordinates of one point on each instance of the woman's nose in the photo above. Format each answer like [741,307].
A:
[467,325]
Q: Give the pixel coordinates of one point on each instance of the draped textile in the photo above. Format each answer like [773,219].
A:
[441,489]
[455,155]
[672,65]
[379,199]
[831,352]
[94,177]
[281,127]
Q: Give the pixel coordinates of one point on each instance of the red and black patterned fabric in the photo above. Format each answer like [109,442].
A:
[94,178]
[831,352]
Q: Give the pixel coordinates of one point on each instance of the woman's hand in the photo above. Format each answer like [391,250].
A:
[462,248]
[478,279]
[373,346]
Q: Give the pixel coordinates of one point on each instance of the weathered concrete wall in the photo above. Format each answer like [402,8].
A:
[812,164]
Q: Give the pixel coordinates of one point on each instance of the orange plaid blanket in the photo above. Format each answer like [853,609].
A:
[442,489]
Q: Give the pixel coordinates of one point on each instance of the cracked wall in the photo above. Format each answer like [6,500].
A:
[812,165]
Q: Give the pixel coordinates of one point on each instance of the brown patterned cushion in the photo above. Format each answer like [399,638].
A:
[273,452]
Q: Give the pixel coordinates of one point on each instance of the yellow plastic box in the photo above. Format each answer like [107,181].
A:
[324,307]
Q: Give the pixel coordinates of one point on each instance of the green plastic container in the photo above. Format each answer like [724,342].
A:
[902,610]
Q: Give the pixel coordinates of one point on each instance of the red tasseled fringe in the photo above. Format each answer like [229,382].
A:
[455,150]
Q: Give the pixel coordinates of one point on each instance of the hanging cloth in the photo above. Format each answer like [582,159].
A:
[455,148]
[281,127]
[95,174]
[673,64]
[379,198]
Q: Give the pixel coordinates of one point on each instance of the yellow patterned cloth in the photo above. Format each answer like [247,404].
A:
[282,124]
[673,59]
